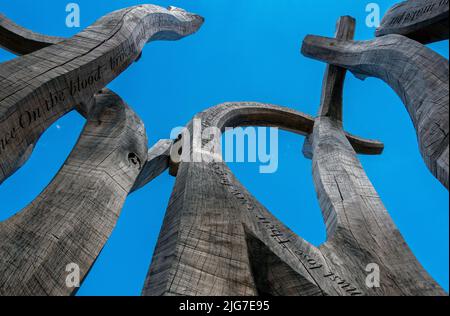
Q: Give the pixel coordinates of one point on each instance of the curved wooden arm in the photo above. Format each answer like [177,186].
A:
[417,74]
[38,88]
[21,41]
[71,220]
[235,231]
[425,21]
[359,228]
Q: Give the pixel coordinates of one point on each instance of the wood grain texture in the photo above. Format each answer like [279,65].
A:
[38,88]
[217,239]
[333,82]
[425,21]
[202,248]
[359,228]
[417,74]
[71,220]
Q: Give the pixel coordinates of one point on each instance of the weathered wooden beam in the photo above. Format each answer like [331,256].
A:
[20,40]
[35,42]
[109,161]
[417,74]
[38,88]
[158,159]
[211,219]
[333,83]
[359,228]
[217,239]
[425,21]
[71,220]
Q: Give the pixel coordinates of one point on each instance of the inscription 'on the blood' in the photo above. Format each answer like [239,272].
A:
[80,84]
[48,106]
[52,103]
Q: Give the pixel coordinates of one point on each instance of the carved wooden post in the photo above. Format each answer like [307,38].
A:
[21,41]
[217,239]
[425,21]
[417,74]
[359,229]
[72,219]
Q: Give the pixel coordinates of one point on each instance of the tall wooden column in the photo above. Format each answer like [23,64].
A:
[417,74]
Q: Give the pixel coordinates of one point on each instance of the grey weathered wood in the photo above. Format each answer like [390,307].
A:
[71,220]
[417,74]
[359,229]
[38,88]
[19,40]
[73,217]
[217,239]
[425,21]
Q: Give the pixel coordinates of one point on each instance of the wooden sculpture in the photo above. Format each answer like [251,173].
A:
[216,238]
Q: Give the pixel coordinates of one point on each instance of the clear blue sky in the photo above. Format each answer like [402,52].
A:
[247,50]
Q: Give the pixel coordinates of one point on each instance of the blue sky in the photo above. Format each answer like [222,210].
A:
[247,50]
